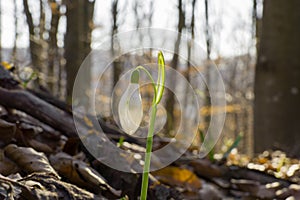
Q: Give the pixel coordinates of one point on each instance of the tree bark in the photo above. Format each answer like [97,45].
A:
[0,33]
[170,100]
[28,103]
[77,43]
[34,42]
[277,81]
[208,65]
[117,69]
[53,56]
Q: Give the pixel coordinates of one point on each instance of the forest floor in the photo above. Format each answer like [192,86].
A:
[41,157]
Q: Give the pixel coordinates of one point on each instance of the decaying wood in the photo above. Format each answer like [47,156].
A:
[6,79]
[7,132]
[41,110]
[52,100]
[204,168]
[29,160]
[244,173]
[43,186]
[47,108]
[13,96]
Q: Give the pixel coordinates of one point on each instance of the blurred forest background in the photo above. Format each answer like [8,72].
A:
[54,36]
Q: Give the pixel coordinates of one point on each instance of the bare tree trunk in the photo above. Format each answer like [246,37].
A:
[254,18]
[256,25]
[116,64]
[277,85]
[170,101]
[0,33]
[14,53]
[42,20]
[207,31]
[249,134]
[43,46]
[191,29]
[30,25]
[192,32]
[53,57]
[34,43]
[149,16]
[77,44]
[208,51]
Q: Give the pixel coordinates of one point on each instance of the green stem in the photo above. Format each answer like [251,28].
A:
[148,153]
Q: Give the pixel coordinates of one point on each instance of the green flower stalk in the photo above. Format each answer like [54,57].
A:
[159,89]
[130,112]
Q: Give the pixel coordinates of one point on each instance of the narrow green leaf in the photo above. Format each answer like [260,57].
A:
[121,141]
[212,151]
[234,145]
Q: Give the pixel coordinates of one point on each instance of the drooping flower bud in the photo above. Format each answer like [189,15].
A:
[130,107]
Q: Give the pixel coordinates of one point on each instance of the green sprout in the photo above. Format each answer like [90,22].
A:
[233,145]
[211,153]
[121,141]
[130,109]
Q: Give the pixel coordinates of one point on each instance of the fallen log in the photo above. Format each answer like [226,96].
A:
[208,170]
[14,96]
[52,100]
[48,109]
[24,101]
[6,79]
[262,177]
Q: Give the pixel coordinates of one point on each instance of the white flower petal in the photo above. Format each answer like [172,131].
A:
[130,109]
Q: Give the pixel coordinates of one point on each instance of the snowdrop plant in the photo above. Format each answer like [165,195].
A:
[130,112]
[130,107]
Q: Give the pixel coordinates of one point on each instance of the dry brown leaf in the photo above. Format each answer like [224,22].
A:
[210,191]
[29,160]
[175,176]
[7,132]
[205,168]
[254,188]
[40,137]
[79,173]
[7,166]
[40,146]
[41,186]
